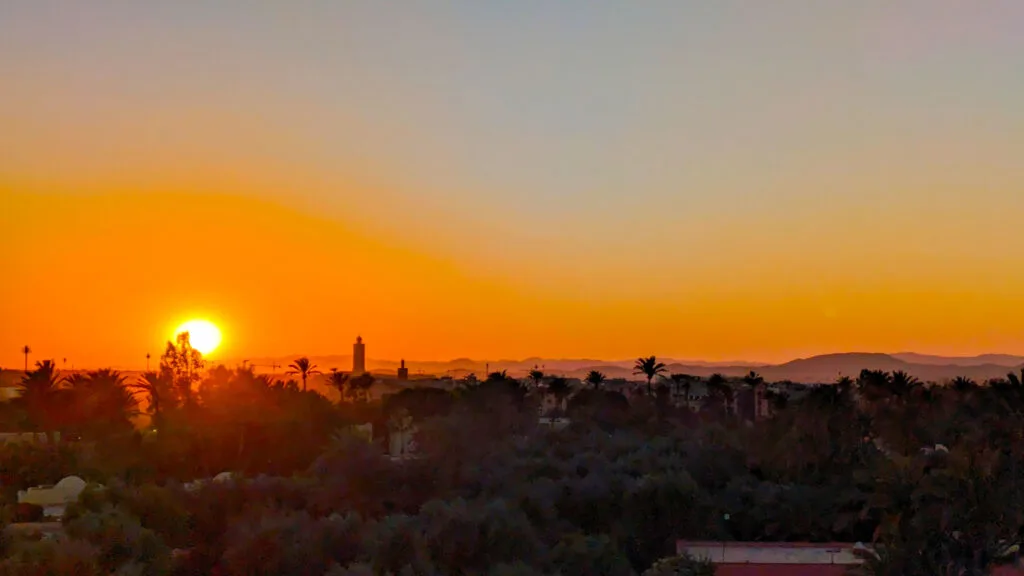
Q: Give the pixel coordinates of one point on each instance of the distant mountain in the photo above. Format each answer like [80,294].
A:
[828,367]
[816,369]
[1008,360]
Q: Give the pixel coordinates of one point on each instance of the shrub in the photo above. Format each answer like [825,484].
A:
[27,513]
[684,565]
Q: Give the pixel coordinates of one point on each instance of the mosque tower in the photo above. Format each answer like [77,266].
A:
[358,357]
[403,372]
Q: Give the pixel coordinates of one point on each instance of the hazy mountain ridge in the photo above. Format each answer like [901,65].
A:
[821,368]
[1008,360]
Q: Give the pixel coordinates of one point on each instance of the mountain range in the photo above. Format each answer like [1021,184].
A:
[823,368]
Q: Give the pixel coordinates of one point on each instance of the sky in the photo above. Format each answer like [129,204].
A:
[715,180]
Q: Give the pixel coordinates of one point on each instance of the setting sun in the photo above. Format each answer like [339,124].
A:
[203,335]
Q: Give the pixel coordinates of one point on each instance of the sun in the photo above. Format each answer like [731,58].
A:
[204,335]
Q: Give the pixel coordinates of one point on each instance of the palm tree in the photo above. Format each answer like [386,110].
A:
[303,367]
[339,381]
[753,379]
[501,376]
[595,379]
[720,392]
[903,384]
[41,396]
[1011,390]
[109,401]
[160,390]
[560,389]
[26,351]
[682,383]
[1016,381]
[963,384]
[360,386]
[649,367]
[536,377]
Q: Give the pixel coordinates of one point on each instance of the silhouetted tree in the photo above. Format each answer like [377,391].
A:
[184,365]
[536,377]
[595,379]
[304,368]
[159,390]
[649,367]
[42,398]
[26,350]
[361,385]
[339,381]
[902,384]
[720,393]
[560,389]
[753,379]
[106,402]
[682,383]
[500,376]
[963,384]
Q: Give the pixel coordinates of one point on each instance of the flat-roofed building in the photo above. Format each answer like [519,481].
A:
[786,558]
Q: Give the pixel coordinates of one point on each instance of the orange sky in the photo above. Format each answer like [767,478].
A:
[102,279]
[718,183]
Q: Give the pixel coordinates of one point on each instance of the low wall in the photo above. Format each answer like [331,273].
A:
[786,558]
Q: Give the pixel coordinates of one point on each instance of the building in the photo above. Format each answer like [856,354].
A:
[785,558]
[53,499]
[403,372]
[358,357]
[27,437]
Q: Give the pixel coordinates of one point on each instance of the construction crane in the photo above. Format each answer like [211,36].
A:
[273,366]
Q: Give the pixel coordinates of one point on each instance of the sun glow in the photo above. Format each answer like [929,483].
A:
[203,335]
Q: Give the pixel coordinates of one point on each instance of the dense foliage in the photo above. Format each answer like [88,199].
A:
[926,472]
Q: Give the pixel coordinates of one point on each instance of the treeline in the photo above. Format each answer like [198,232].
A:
[929,473]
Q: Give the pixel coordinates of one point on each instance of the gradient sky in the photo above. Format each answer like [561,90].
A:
[717,180]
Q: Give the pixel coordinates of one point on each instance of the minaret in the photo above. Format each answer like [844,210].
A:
[403,372]
[358,357]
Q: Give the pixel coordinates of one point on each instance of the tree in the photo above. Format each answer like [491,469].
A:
[536,377]
[304,368]
[42,397]
[595,379]
[963,384]
[875,384]
[753,379]
[360,386]
[106,402]
[649,367]
[681,566]
[159,389]
[26,351]
[339,381]
[501,376]
[184,365]
[1016,381]
[902,384]
[720,393]
[682,383]
[560,389]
